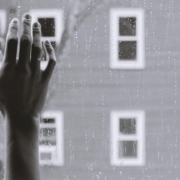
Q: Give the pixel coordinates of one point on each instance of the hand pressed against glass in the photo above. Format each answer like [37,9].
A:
[23,91]
[23,85]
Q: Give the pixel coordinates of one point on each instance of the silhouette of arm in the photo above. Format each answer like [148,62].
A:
[23,91]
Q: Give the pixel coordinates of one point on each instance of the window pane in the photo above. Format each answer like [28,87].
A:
[48,120]
[128,149]
[47,131]
[127,50]
[127,26]
[127,126]
[47,27]
[47,142]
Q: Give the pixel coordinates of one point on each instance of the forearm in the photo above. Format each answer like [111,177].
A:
[22,150]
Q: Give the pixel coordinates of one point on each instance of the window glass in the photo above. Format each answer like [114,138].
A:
[127,50]
[112,55]
[127,125]
[128,149]
[127,26]
[48,131]
[47,26]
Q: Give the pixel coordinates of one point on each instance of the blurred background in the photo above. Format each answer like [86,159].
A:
[113,106]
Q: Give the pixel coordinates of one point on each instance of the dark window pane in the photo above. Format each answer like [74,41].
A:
[47,26]
[128,149]
[127,26]
[48,120]
[45,156]
[47,131]
[127,126]
[47,142]
[127,50]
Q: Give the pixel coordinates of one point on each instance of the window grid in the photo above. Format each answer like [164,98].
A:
[51,143]
[115,38]
[117,137]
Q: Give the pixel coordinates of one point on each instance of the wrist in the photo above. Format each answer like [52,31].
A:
[22,131]
[22,148]
[23,123]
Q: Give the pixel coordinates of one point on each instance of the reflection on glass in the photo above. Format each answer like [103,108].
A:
[127,26]
[127,50]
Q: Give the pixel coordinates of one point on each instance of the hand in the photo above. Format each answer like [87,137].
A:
[23,85]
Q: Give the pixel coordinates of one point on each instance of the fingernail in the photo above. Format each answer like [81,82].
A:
[36,24]
[13,26]
[27,16]
[15,21]
[47,42]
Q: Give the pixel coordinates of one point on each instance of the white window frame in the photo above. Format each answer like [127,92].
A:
[2,30]
[56,151]
[115,14]
[57,14]
[116,137]
[2,22]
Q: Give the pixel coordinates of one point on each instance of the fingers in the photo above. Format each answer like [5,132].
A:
[52,61]
[36,47]
[11,42]
[25,41]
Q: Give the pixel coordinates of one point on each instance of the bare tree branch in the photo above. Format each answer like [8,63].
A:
[77,13]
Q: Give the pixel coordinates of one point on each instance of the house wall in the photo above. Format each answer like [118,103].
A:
[87,90]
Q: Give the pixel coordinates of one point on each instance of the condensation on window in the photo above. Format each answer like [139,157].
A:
[86,88]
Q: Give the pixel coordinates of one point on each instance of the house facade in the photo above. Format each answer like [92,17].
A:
[113,106]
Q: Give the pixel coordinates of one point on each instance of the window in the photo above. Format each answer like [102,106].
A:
[51,21]
[126,38]
[127,138]
[51,138]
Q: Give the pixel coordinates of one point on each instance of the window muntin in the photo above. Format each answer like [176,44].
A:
[127,138]
[126,38]
[51,138]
